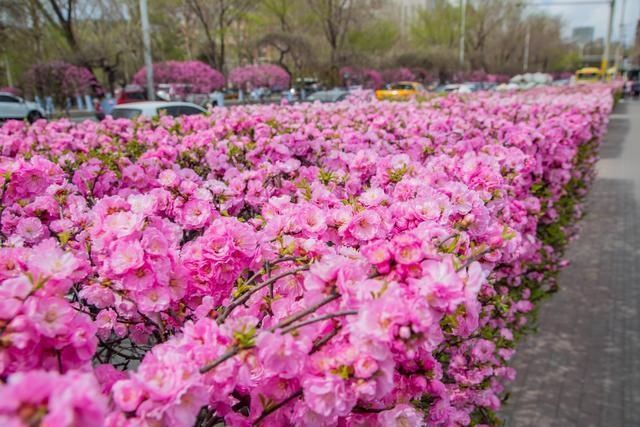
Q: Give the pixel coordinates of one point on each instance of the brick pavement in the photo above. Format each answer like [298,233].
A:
[583,366]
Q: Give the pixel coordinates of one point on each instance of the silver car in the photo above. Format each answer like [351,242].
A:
[14,107]
[155,108]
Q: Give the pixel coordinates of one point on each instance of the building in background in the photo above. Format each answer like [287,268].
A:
[582,35]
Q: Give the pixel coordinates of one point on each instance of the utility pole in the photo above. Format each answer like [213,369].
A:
[463,15]
[620,50]
[146,40]
[607,43]
[527,42]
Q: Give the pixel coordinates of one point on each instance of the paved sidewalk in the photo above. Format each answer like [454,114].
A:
[583,366]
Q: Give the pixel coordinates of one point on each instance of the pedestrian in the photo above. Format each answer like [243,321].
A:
[97,108]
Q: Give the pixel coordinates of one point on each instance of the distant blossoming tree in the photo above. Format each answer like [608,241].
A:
[366,77]
[398,74]
[195,76]
[60,80]
[264,75]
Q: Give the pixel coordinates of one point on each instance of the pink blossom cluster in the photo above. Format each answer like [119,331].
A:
[361,263]
[198,76]
[263,75]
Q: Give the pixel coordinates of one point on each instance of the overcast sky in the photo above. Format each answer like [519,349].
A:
[594,15]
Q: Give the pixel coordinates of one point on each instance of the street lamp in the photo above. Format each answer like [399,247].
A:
[463,14]
[620,50]
[607,43]
[146,41]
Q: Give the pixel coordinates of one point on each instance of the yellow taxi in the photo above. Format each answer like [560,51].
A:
[588,75]
[399,91]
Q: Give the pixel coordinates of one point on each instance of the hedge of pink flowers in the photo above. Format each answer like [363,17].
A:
[362,263]
[199,77]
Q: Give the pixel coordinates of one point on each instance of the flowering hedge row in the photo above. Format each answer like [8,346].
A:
[362,263]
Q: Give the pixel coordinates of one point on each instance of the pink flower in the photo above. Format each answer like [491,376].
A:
[328,396]
[123,223]
[154,242]
[373,197]
[441,285]
[50,316]
[407,249]
[30,229]
[377,252]
[365,367]
[365,225]
[52,262]
[195,214]
[402,415]
[282,355]
[311,219]
[127,394]
[154,299]
[126,256]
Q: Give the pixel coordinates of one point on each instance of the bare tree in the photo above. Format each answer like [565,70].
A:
[291,47]
[335,18]
[60,14]
[216,17]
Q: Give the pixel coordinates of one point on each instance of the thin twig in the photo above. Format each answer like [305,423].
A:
[224,357]
[236,349]
[318,319]
[473,259]
[277,406]
[245,297]
[325,339]
[446,239]
[306,312]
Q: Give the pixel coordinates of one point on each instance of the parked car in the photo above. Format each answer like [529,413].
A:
[132,93]
[399,91]
[448,88]
[14,107]
[333,95]
[231,94]
[156,108]
[458,88]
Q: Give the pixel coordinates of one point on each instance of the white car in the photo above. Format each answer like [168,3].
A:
[155,108]
[14,107]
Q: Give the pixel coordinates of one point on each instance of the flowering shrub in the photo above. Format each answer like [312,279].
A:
[264,75]
[398,74]
[359,263]
[59,79]
[368,78]
[197,76]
